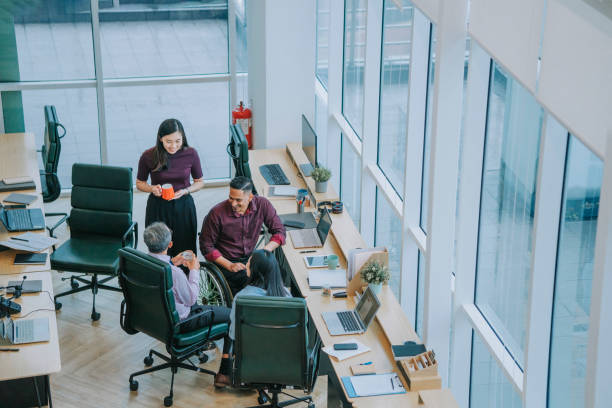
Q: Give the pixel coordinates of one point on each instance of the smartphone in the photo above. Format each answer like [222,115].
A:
[345,346]
[319,261]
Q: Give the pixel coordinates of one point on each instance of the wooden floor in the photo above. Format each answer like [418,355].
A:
[98,357]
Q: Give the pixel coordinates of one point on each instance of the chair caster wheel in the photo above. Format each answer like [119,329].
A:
[167,401]
[311,405]
[203,357]
[95,316]
[58,305]
[74,285]
[148,361]
[134,385]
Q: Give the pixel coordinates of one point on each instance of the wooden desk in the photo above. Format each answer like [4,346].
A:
[391,325]
[18,158]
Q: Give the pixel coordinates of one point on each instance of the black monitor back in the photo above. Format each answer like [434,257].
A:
[309,141]
[238,151]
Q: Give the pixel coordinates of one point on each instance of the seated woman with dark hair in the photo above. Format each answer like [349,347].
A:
[264,279]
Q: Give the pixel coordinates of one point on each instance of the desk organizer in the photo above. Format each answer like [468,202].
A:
[421,372]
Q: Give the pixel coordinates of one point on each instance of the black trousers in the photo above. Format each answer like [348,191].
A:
[221,315]
[180,216]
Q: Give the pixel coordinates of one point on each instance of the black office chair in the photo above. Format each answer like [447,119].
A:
[100,223]
[273,349]
[149,307]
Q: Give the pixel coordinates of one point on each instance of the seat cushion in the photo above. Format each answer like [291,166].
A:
[88,254]
[187,339]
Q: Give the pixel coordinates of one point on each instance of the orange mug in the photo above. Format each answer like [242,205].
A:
[167,192]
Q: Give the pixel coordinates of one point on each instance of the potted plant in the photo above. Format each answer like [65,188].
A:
[321,175]
[375,274]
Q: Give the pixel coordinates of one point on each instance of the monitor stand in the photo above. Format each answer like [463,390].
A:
[306,169]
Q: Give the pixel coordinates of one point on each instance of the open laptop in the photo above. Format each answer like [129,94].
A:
[22,219]
[353,321]
[24,331]
[312,237]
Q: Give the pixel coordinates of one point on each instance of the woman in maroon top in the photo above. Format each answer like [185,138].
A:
[172,161]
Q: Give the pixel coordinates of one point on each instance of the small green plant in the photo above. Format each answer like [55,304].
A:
[375,272]
[321,174]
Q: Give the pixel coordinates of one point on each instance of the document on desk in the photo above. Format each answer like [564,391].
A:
[374,384]
[335,278]
[344,354]
[29,241]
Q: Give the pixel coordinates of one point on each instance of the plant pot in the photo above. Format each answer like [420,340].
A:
[321,186]
[376,287]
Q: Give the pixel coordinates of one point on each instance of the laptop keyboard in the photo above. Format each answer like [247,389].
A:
[19,219]
[349,323]
[305,238]
[273,174]
[24,330]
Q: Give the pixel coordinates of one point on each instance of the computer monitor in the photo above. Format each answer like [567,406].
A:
[309,145]
[238,151]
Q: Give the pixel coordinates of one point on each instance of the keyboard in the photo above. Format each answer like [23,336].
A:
[348,321]
[24,330]
[19,219]
[273,174]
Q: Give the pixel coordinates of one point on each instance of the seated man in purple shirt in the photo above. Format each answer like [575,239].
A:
[185,289]
[231,229]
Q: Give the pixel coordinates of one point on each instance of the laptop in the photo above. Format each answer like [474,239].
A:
[353,321]
[312,237]
[24,331]
[27,286]
[22,219]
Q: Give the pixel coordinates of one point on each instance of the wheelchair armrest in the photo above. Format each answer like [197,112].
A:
[133,229]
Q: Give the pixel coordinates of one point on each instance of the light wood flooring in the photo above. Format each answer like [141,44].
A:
[98,357]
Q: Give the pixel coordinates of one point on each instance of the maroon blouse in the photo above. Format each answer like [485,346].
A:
[180,166]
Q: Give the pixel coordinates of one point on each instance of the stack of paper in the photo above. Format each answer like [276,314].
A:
[344,354]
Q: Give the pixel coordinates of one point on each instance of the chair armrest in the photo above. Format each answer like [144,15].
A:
[57,224]
[313,362]
[132,229]
[122,320]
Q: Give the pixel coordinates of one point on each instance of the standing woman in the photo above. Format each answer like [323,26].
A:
[172,161]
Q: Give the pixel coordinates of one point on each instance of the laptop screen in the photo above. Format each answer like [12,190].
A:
[367,307]
[323,226]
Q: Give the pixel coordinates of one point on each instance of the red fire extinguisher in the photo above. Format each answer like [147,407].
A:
[243,116]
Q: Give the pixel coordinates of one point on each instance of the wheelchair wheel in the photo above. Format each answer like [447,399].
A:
[214,289]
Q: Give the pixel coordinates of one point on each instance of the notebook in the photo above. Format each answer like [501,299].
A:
[8,185]
[20,198]
[31,259]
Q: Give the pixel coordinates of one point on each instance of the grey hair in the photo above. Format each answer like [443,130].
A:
[157,237]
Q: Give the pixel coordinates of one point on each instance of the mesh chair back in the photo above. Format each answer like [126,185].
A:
[101,200]
[147,288]
[271,340]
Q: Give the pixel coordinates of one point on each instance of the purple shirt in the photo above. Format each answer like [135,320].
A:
[181,164]
[185,289]
[234,236]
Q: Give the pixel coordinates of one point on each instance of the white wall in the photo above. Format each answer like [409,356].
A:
[281,68]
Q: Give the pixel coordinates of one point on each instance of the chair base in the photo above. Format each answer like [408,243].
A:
[274,403]
[171,362]
[94,284]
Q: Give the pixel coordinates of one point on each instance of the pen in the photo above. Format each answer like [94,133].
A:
[368,363]
[19,239]
[9,349]
[392,386]
[307,252]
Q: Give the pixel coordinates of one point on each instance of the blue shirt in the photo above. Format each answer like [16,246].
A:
[246,291]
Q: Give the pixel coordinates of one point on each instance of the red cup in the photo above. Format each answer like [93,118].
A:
[167,192]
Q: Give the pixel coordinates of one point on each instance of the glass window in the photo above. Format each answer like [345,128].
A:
[350,181]
[145,39]
[506,209]
[427,138]
[242,56]
[397,37]
[572,300]
[355,13]
[77,111]
[323,12]
[420,295]
[489,387]
[133,116]
[45,41]
[320,124]
[388,233]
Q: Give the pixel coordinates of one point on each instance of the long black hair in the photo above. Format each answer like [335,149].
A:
[265,273]
[160,155]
